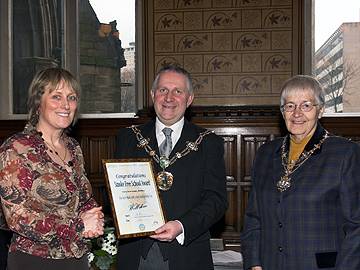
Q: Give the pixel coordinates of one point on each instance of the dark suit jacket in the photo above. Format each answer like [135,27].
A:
[197,198]
[315,224]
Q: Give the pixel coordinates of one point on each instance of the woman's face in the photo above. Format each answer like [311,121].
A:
[300,123]
[58,107]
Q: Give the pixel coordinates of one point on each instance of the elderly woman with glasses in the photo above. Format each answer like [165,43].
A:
[304,206]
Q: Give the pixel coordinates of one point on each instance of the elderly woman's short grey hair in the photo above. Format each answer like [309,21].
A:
[301,83]
[175,69]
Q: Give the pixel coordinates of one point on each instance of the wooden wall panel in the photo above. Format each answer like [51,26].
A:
[241,141]
[95,149]
[231,224]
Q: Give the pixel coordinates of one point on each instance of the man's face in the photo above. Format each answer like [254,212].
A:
[171,97]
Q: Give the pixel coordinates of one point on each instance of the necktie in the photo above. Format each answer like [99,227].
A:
[166,146]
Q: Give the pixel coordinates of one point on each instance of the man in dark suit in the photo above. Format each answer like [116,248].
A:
[195,199]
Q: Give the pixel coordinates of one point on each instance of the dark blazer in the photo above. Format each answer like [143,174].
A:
[197,198]
[315,224]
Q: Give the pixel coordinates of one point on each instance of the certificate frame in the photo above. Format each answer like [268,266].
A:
[134,196]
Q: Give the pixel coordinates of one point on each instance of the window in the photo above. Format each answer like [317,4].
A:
[37,44]
[107,56]
[48,33]
[336,58]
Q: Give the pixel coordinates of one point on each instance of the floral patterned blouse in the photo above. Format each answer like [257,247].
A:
[41,200]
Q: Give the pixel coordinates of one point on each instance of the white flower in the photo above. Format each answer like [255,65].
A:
[113,250]
[111,237]
[90,257]
[106,246]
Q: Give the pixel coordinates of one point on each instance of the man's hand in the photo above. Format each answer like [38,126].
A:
[256,268]
[168,232]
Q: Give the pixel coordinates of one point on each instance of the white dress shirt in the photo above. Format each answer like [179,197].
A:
[175,135]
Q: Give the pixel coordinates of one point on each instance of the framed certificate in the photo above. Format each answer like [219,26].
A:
[135,202]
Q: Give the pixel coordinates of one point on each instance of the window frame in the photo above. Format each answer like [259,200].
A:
[308,26]
[5,60]
[71,58]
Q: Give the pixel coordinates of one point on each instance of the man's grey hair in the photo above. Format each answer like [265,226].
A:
[178,70]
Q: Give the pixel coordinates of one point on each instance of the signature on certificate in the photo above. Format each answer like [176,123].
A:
[135,206]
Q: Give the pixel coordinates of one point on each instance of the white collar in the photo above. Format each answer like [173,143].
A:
[175,135]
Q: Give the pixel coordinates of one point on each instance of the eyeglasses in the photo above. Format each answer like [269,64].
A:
[306,106]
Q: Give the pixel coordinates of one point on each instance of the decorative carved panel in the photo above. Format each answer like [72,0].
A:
[235,50]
